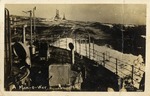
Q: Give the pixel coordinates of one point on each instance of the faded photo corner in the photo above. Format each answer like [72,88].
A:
[75,47]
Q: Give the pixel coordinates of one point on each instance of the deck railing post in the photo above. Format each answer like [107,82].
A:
[93,50]
[53,39]
[104,59]
[75,43]
[59,41]
[66,42]
[132,72]
[116,66]
[95,53]
[89,46]
[86,47]
[80,46]
[107,56]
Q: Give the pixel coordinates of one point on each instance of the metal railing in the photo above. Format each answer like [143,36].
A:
[120,67]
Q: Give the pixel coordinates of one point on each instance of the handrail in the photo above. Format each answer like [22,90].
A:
[98,56]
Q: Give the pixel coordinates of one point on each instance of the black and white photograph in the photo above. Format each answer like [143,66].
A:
[74,47]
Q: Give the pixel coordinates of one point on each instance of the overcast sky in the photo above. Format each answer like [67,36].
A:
[105,13]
